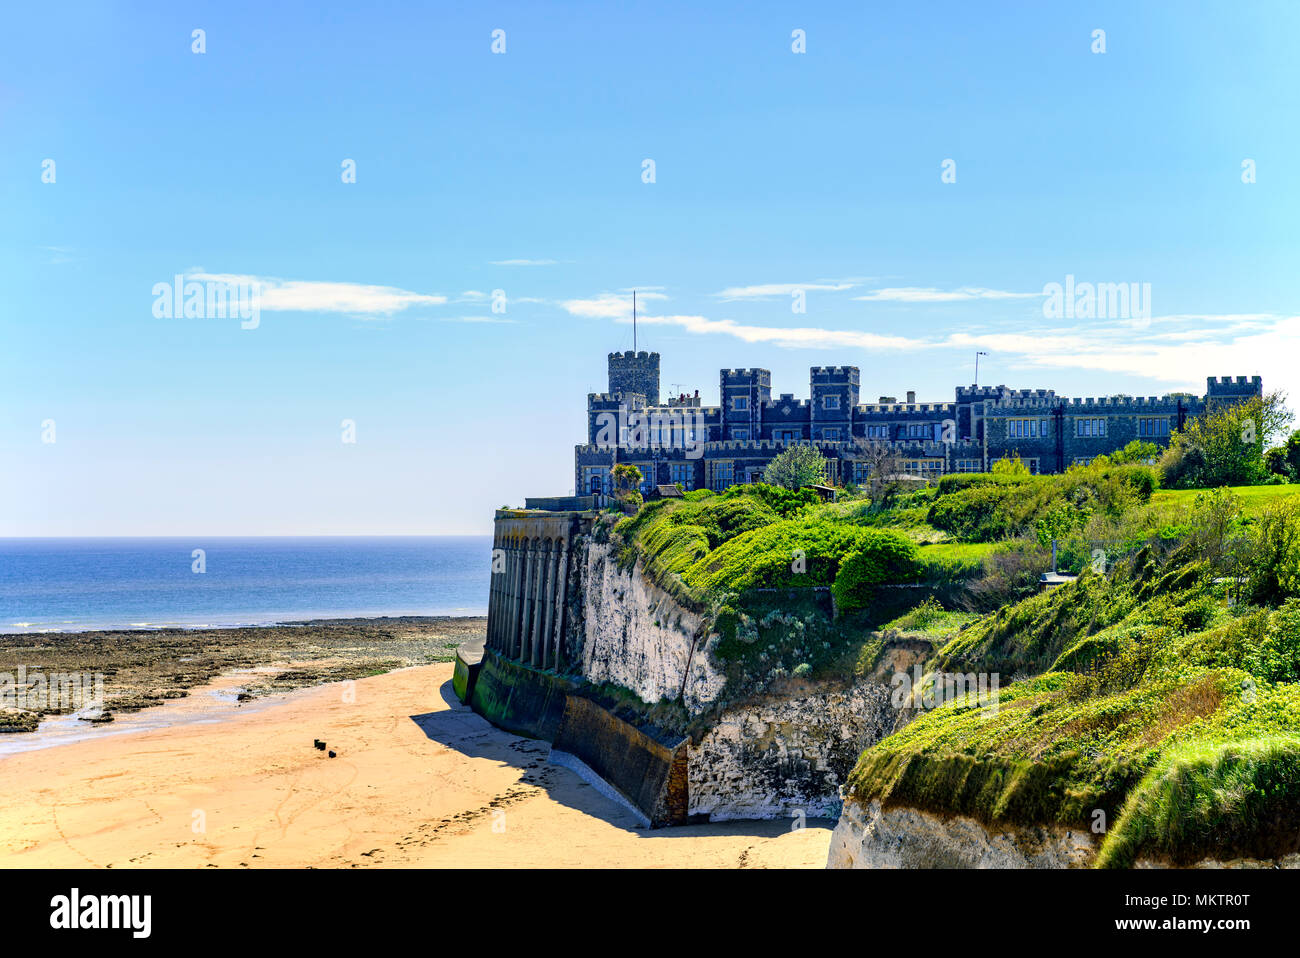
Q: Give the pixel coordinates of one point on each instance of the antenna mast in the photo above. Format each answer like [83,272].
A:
[633,320]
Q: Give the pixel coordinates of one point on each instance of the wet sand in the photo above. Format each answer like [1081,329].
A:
[145,668]
[419,780]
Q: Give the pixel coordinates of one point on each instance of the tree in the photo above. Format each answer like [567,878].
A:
[884,466]
[1284,460]
[1225,445]
[626,476]
[796,467]
[1135,451]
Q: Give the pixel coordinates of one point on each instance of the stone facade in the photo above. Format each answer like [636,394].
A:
[682,440]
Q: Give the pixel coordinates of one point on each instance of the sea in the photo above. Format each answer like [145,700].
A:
[72,585]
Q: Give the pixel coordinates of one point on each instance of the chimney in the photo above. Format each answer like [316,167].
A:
[911,396]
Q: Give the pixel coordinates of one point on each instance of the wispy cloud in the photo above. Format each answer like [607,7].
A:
[925,294]
[765,290]
[787,337]
[1224,344]
[524,262]
[495,320]
[297,295]
[607,305]
[60,254]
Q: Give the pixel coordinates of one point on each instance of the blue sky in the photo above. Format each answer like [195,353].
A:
[522,172]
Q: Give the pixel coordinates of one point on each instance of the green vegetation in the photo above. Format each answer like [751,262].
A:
[1160,694]
[1160,690]
[796,467]
[1225,446]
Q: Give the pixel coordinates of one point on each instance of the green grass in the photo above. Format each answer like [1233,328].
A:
[1141,694]
[1253,498]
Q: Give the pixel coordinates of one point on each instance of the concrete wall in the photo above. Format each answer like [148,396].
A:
[531,581]
[649,772]
[520,699]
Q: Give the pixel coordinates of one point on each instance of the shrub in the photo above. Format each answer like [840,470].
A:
[879,557]
[1275,552]
[795,467]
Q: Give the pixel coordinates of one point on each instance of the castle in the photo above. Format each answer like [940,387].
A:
[679,440]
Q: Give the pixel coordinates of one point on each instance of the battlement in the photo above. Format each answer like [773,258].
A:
[747,375]
[613,399]
[1228,380]
[904,408]
[834,373]
[629,354]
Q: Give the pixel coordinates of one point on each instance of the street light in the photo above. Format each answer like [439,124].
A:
[977,366]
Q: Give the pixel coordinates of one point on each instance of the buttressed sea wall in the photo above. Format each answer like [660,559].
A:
[565,618]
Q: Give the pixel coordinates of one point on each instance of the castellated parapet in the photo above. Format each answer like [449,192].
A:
[631,372]
[732,442]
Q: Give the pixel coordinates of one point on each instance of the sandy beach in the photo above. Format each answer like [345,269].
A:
[419,780]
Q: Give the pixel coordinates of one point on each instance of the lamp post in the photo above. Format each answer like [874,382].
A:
[977,365]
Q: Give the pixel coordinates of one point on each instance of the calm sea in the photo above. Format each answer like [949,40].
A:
[75,584]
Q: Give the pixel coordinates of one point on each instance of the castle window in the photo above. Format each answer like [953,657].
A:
[923,467]
[740,403]
[740,434]
[724,475]
[1026,428]
[684,473]
[877,432]
[1090,427]
[831,435]
[786,435]
[830,402]
[1151,428]
[968,465]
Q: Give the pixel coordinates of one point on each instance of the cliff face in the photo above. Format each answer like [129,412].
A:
[868,836]
[777,757]
[872,837]
[787,755]
[637,636]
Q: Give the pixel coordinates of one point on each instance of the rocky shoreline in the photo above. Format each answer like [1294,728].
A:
[143,668]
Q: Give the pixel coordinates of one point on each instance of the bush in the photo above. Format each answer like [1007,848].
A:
[1275,552]
[795,467]
[879,557]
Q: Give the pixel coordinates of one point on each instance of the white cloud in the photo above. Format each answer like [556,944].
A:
[523,262]
[607,305]
[1227,344]
[476,319]
[925,294]
[787,337]
[779,289]
[297,295]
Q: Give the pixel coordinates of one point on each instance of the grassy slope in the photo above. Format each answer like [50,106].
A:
[1143,694]
[1147,698]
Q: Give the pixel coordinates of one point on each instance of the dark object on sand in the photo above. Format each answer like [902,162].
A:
[333,754]
[320,746]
